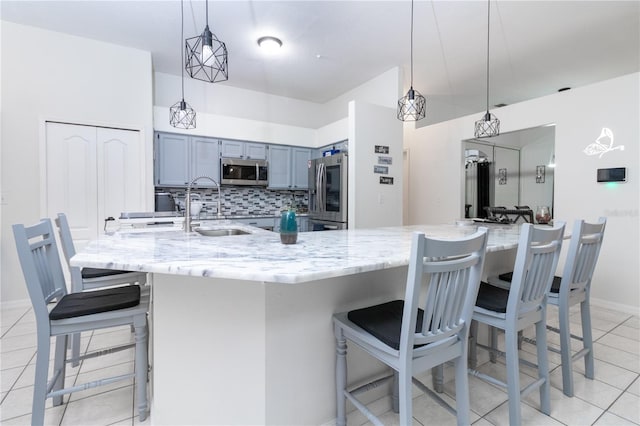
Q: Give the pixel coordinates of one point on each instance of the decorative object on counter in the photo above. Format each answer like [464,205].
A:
[489,125]
[540,174]
[543,215]
[413,106]
[288,227]
[181,114]
[206,57]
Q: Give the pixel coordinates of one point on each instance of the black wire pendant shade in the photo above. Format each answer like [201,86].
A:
[489,125]
[181,114]
[412,106]
[206,56]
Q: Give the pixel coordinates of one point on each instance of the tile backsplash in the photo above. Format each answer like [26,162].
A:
[243,200]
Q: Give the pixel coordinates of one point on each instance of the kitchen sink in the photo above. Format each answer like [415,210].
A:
[217,232]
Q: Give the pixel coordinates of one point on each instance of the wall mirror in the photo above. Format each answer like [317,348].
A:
[509,170]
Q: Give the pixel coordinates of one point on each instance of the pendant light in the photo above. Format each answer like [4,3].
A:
[489,125]
[181,114]
[206,57]
[412,107]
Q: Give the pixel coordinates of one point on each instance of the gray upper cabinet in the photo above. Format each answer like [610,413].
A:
[240,149]
[180,158]
[288,167]
[300,167]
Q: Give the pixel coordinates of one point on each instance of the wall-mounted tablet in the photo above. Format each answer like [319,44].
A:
[614,174]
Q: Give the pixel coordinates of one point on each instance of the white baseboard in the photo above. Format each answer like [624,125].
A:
[628,309]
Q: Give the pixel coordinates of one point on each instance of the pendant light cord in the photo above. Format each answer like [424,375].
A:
[488,24]
[207,12]
[182,44]
[411,43]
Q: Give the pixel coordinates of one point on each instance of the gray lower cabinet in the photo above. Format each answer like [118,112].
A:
[180,158]
[288,167]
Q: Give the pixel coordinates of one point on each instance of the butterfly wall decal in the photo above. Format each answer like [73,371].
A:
[603,144]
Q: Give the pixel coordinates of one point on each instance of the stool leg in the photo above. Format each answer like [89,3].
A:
[60,364]
[587,338]
[341,377]
[565,349]
[41,378]
[513,375]
[543,364]
[141,364]
[395,395]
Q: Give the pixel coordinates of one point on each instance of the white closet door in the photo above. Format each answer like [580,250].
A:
[72,179]
[92,173]
[119,171]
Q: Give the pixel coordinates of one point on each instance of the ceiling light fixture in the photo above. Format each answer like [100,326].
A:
[181,114]
[413,106]
[206,56]
[489,125]
[270,44]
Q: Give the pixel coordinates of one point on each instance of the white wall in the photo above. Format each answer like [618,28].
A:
[436,191]
[372,204]
[69,79]
[229,112]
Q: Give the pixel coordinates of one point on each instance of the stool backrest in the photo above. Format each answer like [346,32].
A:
[535,265]
[582,256]
[40,264]
[453,269]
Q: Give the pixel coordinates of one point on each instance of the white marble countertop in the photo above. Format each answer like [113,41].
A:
[260,256]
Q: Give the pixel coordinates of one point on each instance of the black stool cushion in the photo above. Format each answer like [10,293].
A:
[555,285]
[384,321]
[492,298]
[98,273]
[93,302]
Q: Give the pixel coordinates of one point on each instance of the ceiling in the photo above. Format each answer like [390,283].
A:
[330,47]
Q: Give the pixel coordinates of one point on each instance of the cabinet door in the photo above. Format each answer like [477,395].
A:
[255,151]
[232,149]
[279,167]
[172,160]
[205,160]
[300,168]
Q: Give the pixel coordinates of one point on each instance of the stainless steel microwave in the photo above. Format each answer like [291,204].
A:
[235,171]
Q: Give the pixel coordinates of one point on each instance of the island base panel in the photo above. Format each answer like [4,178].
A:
[247,352]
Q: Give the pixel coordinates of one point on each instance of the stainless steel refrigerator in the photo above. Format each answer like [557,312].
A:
[328,183]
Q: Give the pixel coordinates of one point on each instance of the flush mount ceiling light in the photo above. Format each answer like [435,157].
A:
[413,106]
[270,44]
[181,114]
[206,56]
[489,125]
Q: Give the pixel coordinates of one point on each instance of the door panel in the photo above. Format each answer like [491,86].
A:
[120,185]
[71,178]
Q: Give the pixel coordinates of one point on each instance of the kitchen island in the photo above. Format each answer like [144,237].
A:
[241,329]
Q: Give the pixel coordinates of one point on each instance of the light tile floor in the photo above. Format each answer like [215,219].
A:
[613,398]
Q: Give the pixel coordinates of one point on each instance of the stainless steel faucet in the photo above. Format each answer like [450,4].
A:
[187,202]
